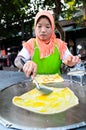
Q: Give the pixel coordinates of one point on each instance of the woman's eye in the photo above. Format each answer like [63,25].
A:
[47,26]
[39,26]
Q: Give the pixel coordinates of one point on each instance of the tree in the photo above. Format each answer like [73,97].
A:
[16,15]
[13,12]
[75,10]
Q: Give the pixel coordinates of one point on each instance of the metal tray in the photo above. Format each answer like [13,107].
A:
[14,117]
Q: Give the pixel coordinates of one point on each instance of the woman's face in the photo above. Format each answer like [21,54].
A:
[43,29]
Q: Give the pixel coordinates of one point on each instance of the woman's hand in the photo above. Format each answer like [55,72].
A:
[72,60]
[30,68]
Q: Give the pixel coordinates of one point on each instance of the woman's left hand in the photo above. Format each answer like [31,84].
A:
[72,60]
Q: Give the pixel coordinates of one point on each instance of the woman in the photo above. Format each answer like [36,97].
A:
[45,53]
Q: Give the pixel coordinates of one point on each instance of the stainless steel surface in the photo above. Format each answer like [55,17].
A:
[79,74]
[75,73]
[23,119]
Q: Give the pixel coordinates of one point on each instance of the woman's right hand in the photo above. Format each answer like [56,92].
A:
[30,68]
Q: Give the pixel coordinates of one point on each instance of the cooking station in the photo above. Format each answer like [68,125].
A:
[11,117]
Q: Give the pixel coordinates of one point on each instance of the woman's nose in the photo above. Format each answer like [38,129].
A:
[43,29]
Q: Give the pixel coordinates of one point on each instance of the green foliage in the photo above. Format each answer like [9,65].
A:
[14,12]
[73,9]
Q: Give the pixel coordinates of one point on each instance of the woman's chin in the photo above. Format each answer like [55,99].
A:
[43,38]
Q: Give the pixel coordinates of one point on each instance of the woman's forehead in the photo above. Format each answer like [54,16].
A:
[43,19]
[48,15]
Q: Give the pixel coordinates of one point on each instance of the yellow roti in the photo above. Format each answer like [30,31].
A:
[49,78]
[59,100]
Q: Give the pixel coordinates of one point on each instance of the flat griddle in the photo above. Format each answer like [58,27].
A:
[12,116]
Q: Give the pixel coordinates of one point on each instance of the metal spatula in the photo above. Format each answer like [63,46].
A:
[43,89]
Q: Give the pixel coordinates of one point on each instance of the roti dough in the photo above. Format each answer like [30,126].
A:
[49,78]
[59,100]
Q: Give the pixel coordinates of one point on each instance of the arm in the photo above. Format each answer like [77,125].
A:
[23,54]
[66,56]
[29,66]
[69,59]
[72,60]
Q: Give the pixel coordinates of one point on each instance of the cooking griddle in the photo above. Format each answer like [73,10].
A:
[12,116]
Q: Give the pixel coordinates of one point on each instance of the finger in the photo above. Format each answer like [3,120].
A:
[76,59]
[27,69]
[34,71]
[68,59]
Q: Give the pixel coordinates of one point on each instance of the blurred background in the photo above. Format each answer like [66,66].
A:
[17,21]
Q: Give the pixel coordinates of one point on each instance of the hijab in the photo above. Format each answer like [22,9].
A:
[45,49]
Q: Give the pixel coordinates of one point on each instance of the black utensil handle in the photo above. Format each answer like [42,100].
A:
[22,61]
